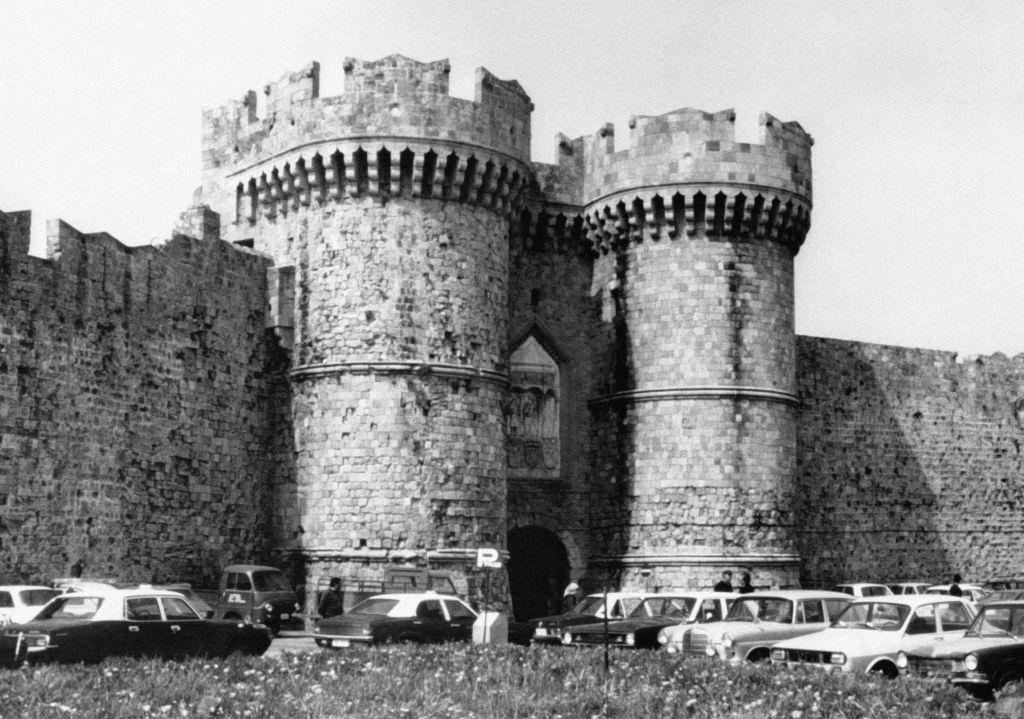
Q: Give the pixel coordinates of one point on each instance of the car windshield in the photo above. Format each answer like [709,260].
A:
[37,597]
[588,606]
[374,606]
[998,622]
[761,609]
[71,606]
[268,581]
[884,616]
[678,607]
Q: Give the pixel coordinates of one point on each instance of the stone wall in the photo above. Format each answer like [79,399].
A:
[132,406]
[909,463]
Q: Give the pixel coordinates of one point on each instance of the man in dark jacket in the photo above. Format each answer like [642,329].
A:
[725,583]
[331,603]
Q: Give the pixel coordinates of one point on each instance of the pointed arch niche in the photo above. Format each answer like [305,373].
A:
[534,439]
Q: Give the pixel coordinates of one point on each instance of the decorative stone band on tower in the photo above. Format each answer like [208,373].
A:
[695,443]
[386,210]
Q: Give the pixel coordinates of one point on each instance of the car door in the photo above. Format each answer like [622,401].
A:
[146,634]
[236,600]
[954,618]
[460,621]
[922,630]
[430,622]
[188,636]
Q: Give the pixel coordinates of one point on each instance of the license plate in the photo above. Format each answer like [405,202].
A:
[339,642]
[286,616]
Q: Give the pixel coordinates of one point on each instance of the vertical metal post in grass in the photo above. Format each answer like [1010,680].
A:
[605,612]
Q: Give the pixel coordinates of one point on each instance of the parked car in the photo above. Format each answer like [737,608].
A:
[989,656]
[549,630]
[909,587]
[256,593]
[1003,583]
[871,632]
[759,620]
[971,592]
[1000,596]
[640,630]
[862,589]
[88,626]
[421,618]
[19,603]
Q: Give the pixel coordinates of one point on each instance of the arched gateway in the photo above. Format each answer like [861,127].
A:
[538,571]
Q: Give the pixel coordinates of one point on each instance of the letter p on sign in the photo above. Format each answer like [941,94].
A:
[488,558]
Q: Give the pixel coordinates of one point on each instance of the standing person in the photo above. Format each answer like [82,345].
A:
[331,603]
[725,583]
[570,596]
[954,588]
[745,586]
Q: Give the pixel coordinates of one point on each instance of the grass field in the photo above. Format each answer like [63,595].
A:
[456,681]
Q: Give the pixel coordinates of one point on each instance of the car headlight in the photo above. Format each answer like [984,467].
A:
[778,655]
[298,607]
[630,640]
[970,662]
[901,660]
[267,607]
[37,641]
[728,640]
[837,658]
[567,638]
[663,637]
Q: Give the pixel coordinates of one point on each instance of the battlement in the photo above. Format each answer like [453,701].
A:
[392,97]
[689,147]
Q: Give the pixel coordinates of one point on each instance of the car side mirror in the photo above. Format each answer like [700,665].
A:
[209,614]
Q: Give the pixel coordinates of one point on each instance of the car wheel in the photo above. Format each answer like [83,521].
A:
[759,655]
[886,669]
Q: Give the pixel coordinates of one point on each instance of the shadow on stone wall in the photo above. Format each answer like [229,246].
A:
[864,506]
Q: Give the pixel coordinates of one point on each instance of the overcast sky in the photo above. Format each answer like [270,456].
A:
[916,108]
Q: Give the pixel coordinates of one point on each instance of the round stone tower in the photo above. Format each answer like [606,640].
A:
[695,447]
[386,210]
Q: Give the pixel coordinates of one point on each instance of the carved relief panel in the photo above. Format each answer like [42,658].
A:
[533,425]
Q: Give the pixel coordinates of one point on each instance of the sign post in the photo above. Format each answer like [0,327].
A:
[487,558]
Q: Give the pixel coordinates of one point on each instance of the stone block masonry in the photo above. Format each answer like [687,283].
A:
[909,463]
[388,335]
[134,414]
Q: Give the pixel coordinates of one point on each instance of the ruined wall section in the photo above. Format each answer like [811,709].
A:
[694,440]
[909,463]
[132,409]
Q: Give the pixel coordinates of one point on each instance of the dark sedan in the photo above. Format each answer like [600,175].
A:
[641,628]
[419,618]
[549,630]
[88,626]
[989,656]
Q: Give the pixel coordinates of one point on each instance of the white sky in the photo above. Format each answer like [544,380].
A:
[916,109]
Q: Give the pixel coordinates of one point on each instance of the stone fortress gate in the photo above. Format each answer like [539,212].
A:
[389,336]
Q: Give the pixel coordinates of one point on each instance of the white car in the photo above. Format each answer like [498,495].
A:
[20,603]
[909,587]
[862,589]
[971,592]
[871,632]
[759,620]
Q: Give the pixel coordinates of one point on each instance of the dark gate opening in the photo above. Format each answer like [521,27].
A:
[538,571]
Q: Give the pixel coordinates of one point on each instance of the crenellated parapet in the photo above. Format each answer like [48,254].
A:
[685,174]
[394,131]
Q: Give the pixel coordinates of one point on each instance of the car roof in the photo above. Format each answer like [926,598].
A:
[795,594]
[911,600]
[250,568]
[22,587]
[408,596]
[1005,603]
[859,584]
[114,593]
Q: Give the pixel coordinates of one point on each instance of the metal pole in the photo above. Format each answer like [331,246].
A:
[606,660]
[487,598]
